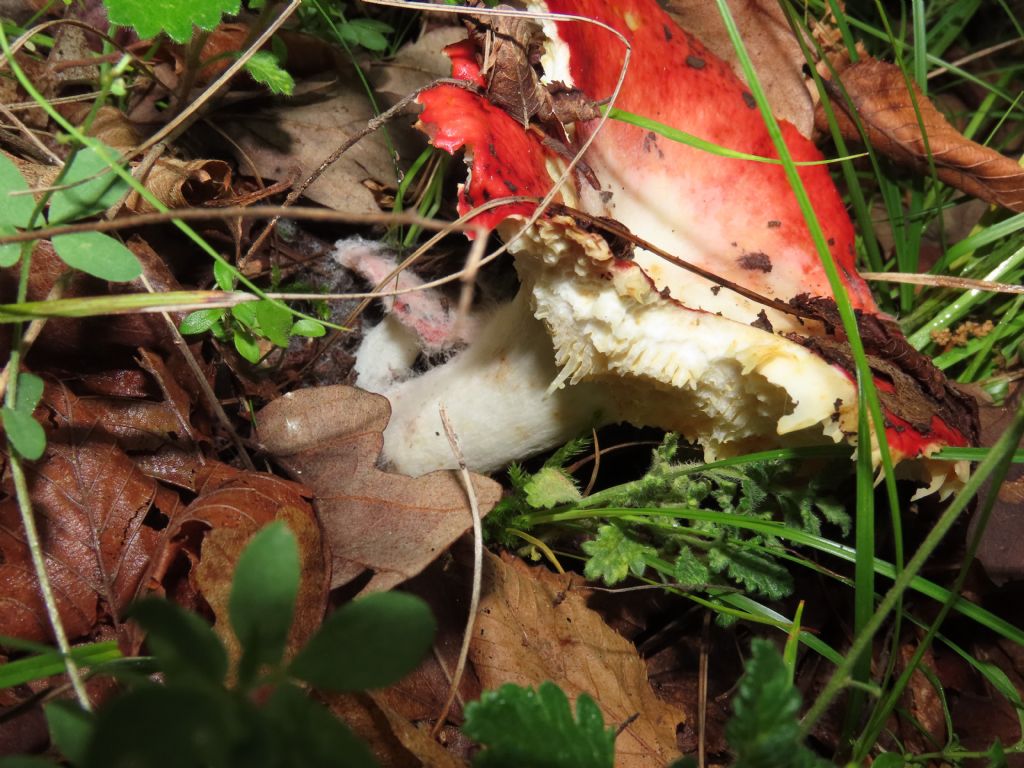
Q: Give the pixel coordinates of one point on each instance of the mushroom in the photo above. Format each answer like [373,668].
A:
[749,356]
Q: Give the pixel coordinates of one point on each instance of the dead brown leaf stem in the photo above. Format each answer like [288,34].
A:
[478,565]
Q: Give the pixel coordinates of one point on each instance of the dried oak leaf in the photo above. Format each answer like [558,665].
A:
[90,503]
[533,626]
[330,438]
[885,108]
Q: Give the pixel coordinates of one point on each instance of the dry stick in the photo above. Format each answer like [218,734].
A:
[702,690]
[943,281]
[597,464]
[31,136]
[478,564]
[35,547]
[204,385]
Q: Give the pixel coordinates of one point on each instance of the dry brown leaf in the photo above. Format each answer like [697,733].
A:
[330,438]
[394,741]
[533,625]
[774,51]
[289,142]
[219,555]
[90,503]
[885,107]
[416,64]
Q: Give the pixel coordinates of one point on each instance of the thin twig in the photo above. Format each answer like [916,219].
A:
[204,385]
[35,548]
[702,691]
[478,564]
[31,136]
[943,281]
[596,454]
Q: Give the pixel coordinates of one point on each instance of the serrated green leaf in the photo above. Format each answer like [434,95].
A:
[369,643]
[262,600]
[247,346]
[70,728]
[99,255]
[764,731]
[516,724]
[613,555]
[755,571]
[174,17]
[549,487]
[689,571]
[15,210]
[94,187]
[265,69]
[200,321]
[309,328]
[184,645]
[274,321]
[25,433]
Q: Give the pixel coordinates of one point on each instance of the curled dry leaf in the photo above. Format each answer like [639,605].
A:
[770,43]
[330,438]
[885,106]
[535,625]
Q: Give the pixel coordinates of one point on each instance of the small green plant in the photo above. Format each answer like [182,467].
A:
[207,711]
[522,726]
[517,726]
[246,324]
[695,553]
[150,19]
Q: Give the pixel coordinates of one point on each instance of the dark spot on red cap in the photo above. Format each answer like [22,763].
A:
[715,289]
[606,196]
[665,293]
[511,187]
[749,100]
[831,241]
[756,261]
[651,142]
[492,149]
[695,61]
[774,224]
[667,30]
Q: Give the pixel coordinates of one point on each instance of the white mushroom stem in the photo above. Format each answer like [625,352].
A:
[498,400]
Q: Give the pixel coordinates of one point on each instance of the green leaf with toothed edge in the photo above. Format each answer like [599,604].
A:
[175,17]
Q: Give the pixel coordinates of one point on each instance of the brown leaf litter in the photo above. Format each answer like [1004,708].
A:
[887,108]
[392,525]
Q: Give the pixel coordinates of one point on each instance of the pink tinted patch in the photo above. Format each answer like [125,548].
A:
[505,159]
